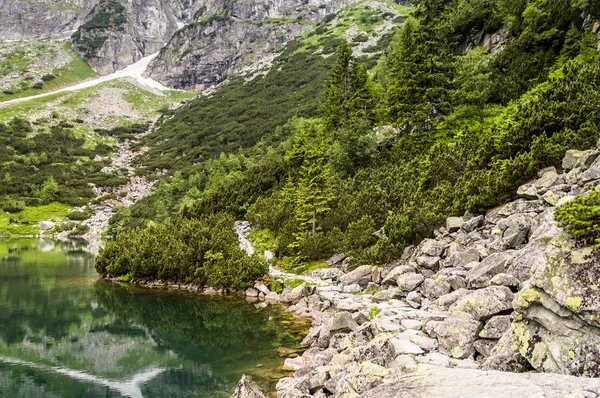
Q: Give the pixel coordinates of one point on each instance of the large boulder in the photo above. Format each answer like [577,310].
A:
[392,276]
[592,173]
[409,282]
[246,388]
[442,382]
[453,224]
[485,303]
[432,247]
[362,276]
[480,276]
[557,322]
[456,334]
[579,159]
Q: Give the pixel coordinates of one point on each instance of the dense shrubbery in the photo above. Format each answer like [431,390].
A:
[581,217]
[45,166]
[204,251]
[464,131]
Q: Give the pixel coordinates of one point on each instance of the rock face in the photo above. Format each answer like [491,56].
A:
[27,20]
[440,382]
[117,33]
[228,38]
[557,324]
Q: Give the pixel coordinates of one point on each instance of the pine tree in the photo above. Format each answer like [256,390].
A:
[310,188]
[347,95]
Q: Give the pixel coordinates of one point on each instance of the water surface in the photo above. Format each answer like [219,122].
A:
[65,333]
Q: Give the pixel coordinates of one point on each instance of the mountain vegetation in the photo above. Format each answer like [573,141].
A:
[469,100]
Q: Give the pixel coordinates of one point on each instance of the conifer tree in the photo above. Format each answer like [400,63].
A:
[347,94]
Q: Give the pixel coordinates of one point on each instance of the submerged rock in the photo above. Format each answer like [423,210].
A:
[246,388]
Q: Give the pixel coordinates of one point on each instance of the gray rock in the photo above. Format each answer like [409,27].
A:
[289,387]
[432,247]
[342,323]
[327,273]
[47,225]
[505,357]
[246,388]
[453,224]
[435,288]
[527,191]
[409,282]
[262,288]
[335,259]
[428,261]
[485,303]
[505,280]
[446,301]
[592,173]
[297,293]
[251,292]
[547,180]
[461,256]
[472,224]
[579,159]
[553,197]
[414,299]
[556,327]
[481,275]
[456,335]
[495,327]
[362,276]
[442,382]
[386,295]
[485,346]
[392,276]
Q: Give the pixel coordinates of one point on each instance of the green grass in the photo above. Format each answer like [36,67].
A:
[76,71]
[27,222]
[293,282]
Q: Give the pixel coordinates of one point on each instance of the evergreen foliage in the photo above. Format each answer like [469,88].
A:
[581,217]
[204,251]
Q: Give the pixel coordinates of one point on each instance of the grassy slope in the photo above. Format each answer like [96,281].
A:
[76,71]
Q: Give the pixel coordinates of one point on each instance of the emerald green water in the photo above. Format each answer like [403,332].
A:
[65,333]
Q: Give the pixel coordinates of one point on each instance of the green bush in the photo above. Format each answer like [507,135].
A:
[13,206]
[79,215]
[38,86]
[48,77]
[204,252]
[580,218]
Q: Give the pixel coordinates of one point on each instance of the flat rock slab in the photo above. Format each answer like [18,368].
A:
[439,382]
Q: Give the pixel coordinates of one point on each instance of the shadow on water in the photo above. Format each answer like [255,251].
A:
[64,333]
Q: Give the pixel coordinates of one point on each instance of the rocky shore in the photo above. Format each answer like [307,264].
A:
[488,307]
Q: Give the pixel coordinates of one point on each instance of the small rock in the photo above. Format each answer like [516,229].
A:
[293,363]
[495,327]
[47,225]
[453,224]
[472,224]
[403,346]
[246,388]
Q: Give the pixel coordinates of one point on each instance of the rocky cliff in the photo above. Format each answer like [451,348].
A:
[28,20]
[508,291]
[227,37]
[115,33]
